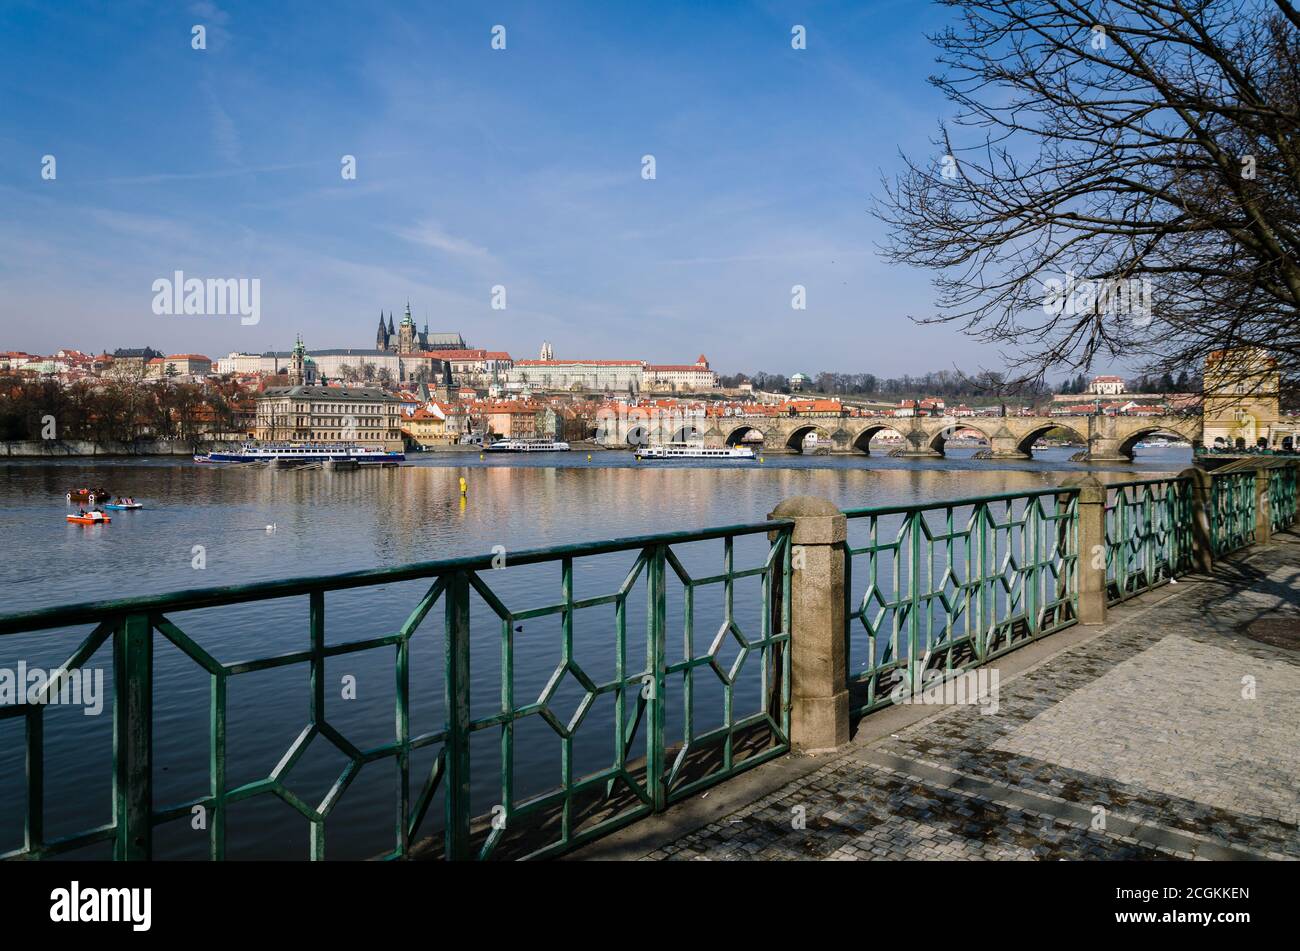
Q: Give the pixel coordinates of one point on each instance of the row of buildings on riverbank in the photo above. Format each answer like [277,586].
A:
[404,354]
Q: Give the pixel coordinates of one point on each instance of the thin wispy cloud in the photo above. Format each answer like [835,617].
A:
[225,137]
[429,234]
[149,227]
[162,177]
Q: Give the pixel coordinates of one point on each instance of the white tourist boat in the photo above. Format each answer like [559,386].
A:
[1163,444]
[529,445]
[689,450]
[305,452]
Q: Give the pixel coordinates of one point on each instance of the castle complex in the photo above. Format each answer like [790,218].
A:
[406,339]
[403,353]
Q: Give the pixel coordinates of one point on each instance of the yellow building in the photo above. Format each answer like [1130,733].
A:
[434,423]
[1241,400]
[365,416]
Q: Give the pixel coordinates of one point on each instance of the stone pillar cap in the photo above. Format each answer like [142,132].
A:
[817,521]
[802,506]
[1081,479]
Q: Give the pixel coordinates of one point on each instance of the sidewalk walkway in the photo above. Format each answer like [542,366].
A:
[1171,732]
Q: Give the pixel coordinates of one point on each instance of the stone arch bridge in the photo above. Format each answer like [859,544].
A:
[1107,438]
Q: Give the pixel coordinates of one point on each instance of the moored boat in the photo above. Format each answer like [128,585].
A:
[528,445]
[124,506]
[305,453]
[683,450]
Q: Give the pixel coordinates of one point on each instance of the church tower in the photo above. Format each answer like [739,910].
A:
[406,334]
[381,338]
[298,364]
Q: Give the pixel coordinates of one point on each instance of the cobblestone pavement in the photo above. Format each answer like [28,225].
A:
[1172,734]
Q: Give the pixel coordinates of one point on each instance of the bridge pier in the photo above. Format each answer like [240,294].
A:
[1105,441]
[920,454]
[920,444]
[1105,449]
[1004,444]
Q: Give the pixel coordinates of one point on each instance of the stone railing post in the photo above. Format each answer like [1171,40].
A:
[1202,512]
[819,714]
[1092,550]
[1263,510]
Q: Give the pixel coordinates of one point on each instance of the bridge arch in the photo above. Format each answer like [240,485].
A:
[1129,442]
[794,442]
[736,435]
[942,435]
[685,433]
[637,435]
[1026,444]
[861,441]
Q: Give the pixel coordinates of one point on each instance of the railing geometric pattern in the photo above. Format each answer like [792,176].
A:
[579,808]
[1282,496]
[947,587]
[1148,535]
[1232,511]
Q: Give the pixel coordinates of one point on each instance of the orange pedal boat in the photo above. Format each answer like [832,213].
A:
[90,518]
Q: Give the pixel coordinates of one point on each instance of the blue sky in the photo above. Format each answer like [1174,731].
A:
[475,167]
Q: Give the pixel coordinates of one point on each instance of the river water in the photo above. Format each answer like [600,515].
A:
[208,526]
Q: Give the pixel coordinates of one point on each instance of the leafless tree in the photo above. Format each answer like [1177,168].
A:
[1102,149]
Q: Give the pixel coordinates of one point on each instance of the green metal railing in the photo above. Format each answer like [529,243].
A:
[1148,535]
[928,588]
[580,808]
[1232,511]
[1282,496]
[951,585]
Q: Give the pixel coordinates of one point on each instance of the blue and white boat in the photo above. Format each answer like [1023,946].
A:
[693,450]
[305,452]
[528,445]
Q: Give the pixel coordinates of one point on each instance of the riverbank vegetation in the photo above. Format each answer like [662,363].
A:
[117,411]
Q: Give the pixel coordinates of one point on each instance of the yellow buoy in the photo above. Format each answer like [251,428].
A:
[480,457]
[760,458]
[463,487]
[589,457]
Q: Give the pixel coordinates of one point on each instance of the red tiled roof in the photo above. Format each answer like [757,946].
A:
[569,363]
[448,354]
